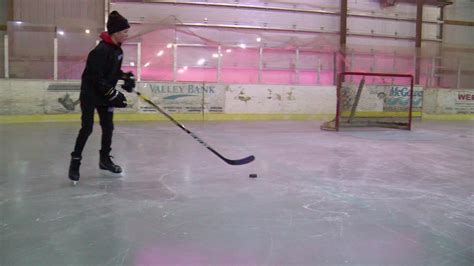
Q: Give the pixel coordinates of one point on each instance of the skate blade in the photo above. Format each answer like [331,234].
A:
[107,173]
[74,183]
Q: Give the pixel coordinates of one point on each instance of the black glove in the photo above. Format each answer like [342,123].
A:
[129,80]
[127,75]
[129,85]
[116,98]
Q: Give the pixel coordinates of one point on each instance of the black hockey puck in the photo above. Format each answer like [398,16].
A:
[253,175]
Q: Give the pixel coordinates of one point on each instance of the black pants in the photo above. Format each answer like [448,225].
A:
[106,116]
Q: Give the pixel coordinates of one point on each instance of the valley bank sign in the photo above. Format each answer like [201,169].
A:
[184,97]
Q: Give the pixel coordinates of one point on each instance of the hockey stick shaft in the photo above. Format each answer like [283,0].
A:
[229,161]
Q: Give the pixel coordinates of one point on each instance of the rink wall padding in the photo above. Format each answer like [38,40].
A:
[449,104]
[42,100]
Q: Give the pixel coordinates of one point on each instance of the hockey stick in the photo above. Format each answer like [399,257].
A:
[245,160]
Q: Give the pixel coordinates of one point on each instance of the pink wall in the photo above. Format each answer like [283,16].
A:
[242,65]
[246,76]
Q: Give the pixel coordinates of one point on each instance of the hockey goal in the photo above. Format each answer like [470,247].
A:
[373,100]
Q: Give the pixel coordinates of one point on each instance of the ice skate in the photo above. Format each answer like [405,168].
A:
[74,170]
[108,167]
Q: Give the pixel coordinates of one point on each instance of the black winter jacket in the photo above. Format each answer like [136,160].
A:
[102,72]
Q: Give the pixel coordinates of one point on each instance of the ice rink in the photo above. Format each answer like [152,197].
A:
[356,197]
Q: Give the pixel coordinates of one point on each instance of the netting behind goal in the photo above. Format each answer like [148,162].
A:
[373,100]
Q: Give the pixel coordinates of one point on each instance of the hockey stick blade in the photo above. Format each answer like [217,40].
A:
[242,161]
[245,160]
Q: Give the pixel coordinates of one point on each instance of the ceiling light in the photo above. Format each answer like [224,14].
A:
[201,61]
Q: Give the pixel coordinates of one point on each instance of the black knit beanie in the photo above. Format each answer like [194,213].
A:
[116,23]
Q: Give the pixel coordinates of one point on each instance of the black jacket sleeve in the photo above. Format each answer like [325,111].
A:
[98,59]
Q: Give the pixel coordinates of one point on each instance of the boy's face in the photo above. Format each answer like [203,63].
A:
[121,36]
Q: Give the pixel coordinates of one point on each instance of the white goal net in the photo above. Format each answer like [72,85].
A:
[373,100]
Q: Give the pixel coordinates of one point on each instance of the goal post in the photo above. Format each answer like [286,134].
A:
[367,99]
